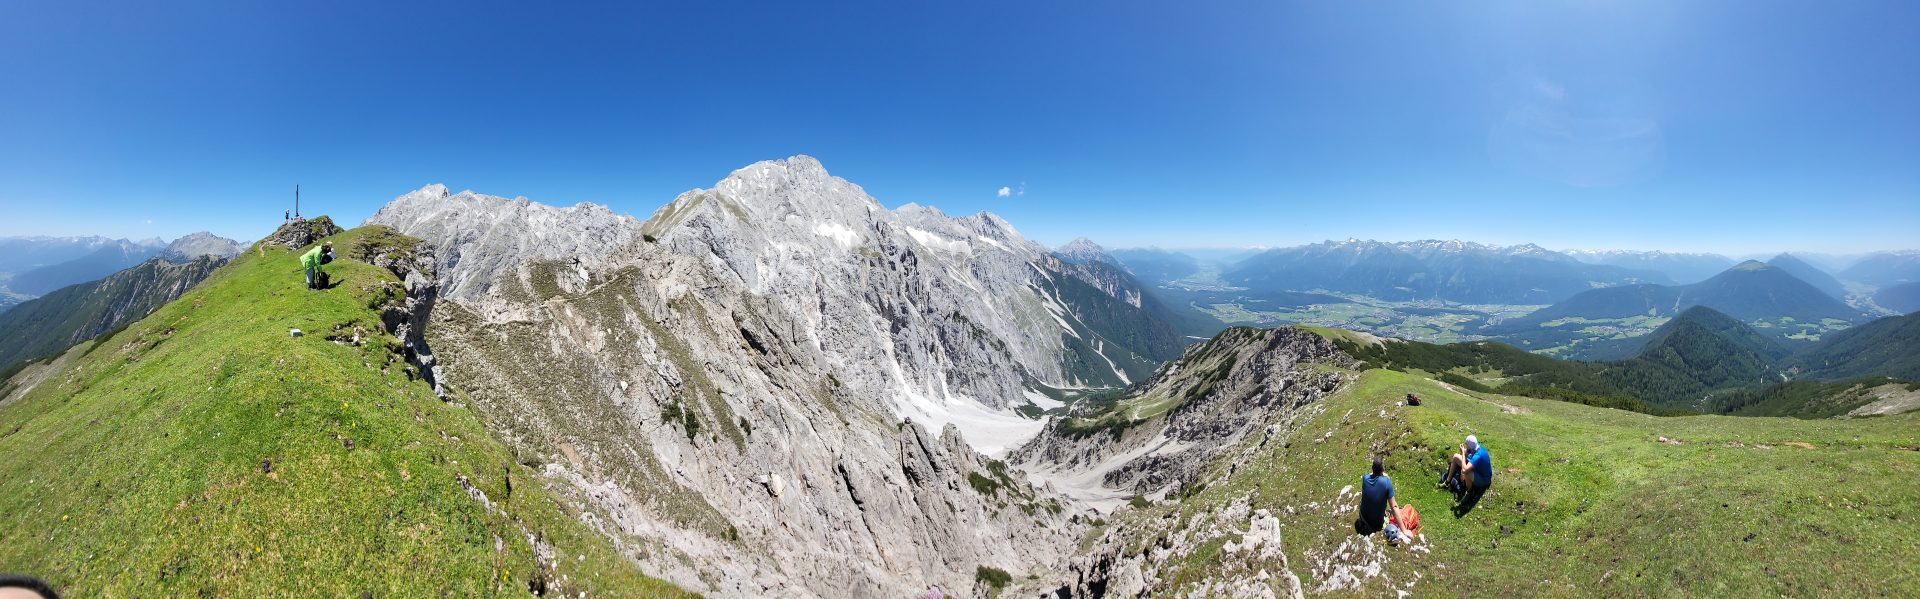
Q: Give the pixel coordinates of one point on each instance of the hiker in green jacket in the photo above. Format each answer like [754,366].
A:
[312,261]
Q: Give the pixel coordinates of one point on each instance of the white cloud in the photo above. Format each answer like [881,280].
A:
[1006,191]
[149,221]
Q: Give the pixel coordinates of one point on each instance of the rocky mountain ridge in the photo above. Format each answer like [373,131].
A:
[195,245]
[1450,270]
[775,385]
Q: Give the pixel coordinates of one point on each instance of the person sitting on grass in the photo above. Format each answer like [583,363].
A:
[1377,503]
[1471,470]
[312,261]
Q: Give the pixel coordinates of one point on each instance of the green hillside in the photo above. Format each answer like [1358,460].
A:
[205,451]
[1815,399]
[1885,347]
[1586,501]
[50,324]
[1903,298]
[1602,323]
[1698,352]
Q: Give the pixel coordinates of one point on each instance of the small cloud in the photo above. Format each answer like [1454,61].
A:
[149,221]
[1006,191]
[1023,189]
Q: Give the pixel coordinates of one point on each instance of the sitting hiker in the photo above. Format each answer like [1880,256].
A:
[1413,400]
[312,261]
[1471,469]
[1376,497]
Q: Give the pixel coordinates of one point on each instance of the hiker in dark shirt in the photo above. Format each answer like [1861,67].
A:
[1376,498]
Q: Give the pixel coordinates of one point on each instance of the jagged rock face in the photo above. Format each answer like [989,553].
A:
[722,389]
[1105,275]
[475,238]
[1241,383]
[695,424]
[413,261]
[953,318]
[1235,396]
[195,245]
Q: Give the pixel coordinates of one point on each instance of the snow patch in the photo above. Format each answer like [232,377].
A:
[935,241]
[839,233]
[1041,400]
[988,432]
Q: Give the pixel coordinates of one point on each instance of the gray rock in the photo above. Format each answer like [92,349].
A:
[299,234]
[195,245]
[774,387]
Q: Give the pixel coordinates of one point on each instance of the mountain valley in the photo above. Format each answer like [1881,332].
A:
[777,386]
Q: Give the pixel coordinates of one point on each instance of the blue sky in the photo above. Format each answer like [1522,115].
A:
[1723,126]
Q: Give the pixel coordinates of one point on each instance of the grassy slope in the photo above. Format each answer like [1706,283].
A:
[49,324]
[139,471]
[1596,505]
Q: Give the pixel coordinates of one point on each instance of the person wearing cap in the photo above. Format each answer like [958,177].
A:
[1471,469]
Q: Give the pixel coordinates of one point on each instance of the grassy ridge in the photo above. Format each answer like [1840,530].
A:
[205,451]
[1588,501]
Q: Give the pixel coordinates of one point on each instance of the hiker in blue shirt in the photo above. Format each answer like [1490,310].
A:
[1376,498]
[1469,470]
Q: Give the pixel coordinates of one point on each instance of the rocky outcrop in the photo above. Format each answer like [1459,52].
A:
[413,262]
[1217,407]
[476,238]
[1250,563]
[301,233]
[1166,431]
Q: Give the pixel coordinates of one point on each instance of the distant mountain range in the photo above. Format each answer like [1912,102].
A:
[107,259]
[1681,268]
[21,254]
[47,325]
[1750,291]
[1157,266]
[1456,271]
[37,266]
[1885,269]
[1813,275]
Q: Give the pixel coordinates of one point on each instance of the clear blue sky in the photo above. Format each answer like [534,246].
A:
[1727,126]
